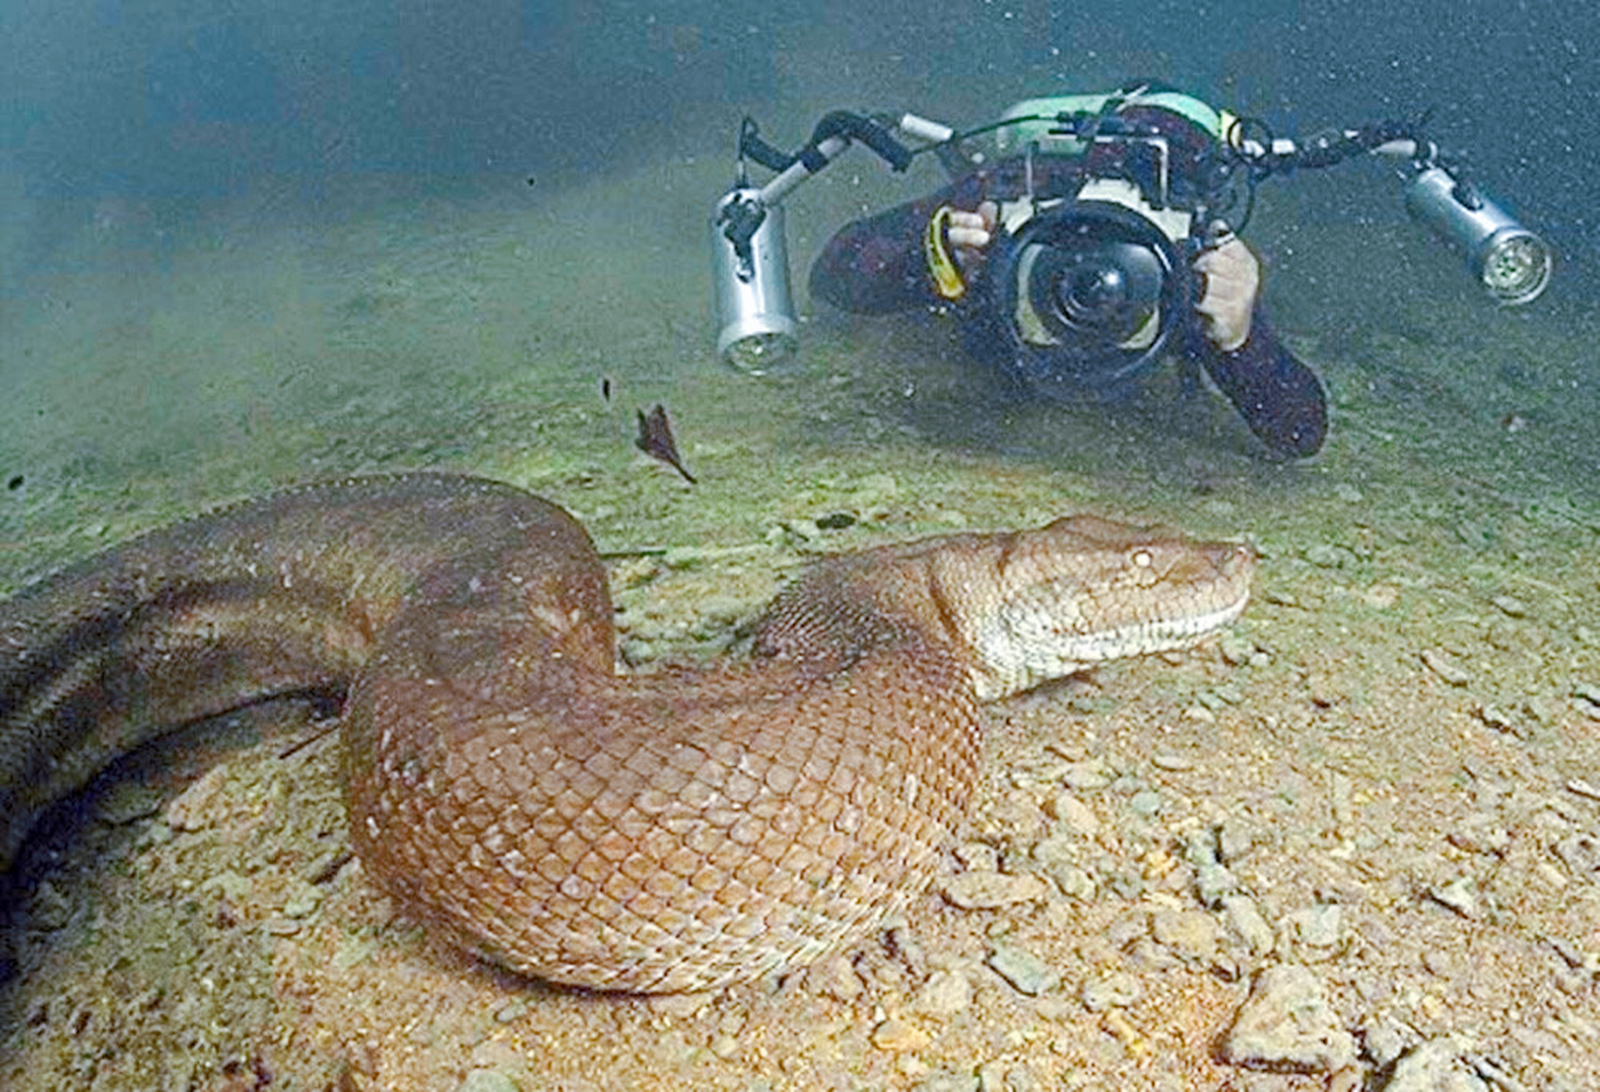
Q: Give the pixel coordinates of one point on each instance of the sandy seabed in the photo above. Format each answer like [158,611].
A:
[1395,755]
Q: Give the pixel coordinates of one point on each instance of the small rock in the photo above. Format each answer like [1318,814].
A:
[992,890]
[1026,972]
[1587,695]
[950,1081]
[1192,934]
[1236,650]
[304,902]
[1145,803]
[1317,927]
[1212,881]
[1435,1066]
[1117,989]
[1086,776]
[487,1080]
[1234,841]
[1582,788]
[978,857]
[681,1006]
[944,994]
[1245,919]
[496,1054]
[896,1036]
[1055,857]
[1074,814]
[512,1011]
[1446,669]
[1442,963]
[1287,1023]
[1460,895]
[228,884]
[1325,555]
[1164,760]
[1381,596]
[1511,606]
[1074,882]
[1384,1041]
[836,976]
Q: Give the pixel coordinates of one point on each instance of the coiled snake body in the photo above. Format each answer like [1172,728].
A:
[659,832]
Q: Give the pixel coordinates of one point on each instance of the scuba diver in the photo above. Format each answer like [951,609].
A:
[1084,238]
[1103,289]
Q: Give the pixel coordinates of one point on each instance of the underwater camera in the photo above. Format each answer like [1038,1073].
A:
[1100,213]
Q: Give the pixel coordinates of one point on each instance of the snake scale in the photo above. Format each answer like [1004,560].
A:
[675,830]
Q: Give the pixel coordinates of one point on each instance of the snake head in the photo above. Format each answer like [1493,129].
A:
[1030,606]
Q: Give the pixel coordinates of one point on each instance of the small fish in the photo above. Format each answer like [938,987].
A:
[655,440]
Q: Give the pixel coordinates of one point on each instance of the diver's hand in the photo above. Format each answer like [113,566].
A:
[1232,277]
[970,233]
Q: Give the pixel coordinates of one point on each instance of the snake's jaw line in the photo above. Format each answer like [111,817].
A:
[658,833]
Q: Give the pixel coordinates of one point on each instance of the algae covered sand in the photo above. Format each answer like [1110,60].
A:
[1388,774]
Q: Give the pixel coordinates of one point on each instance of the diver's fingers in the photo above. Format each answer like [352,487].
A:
[1229,268]
[1229,278]
[967,230]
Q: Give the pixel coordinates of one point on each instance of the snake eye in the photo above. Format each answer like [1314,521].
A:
[1141,559]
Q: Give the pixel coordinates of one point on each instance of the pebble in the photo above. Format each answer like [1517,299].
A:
[1435,1066]
[1442,666]
[304,902]
[1588,698]
[1244,918]
[1192,934]
[1074,814]
[512,1011]
[1057,854]
[1236,650]
[1460,895]
[1317,927]
[1325,555]
[1384,1041]
[1212,881]
[944,994]
[992,890]
[1116,989]
[1026,972]
[229,885]
[1511,606]
[896,1036]
[681,1006]
[1234,841]
[978,857]
[1086,776]
[836,976]
[1145,803]
[1287,1023]
[488,1080]
[1582,788]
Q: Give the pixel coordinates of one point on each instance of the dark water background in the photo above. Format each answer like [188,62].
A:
[200,201]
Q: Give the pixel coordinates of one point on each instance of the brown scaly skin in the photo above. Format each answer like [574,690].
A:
[677,831]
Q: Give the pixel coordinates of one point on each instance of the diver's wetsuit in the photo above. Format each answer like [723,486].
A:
[876,265]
